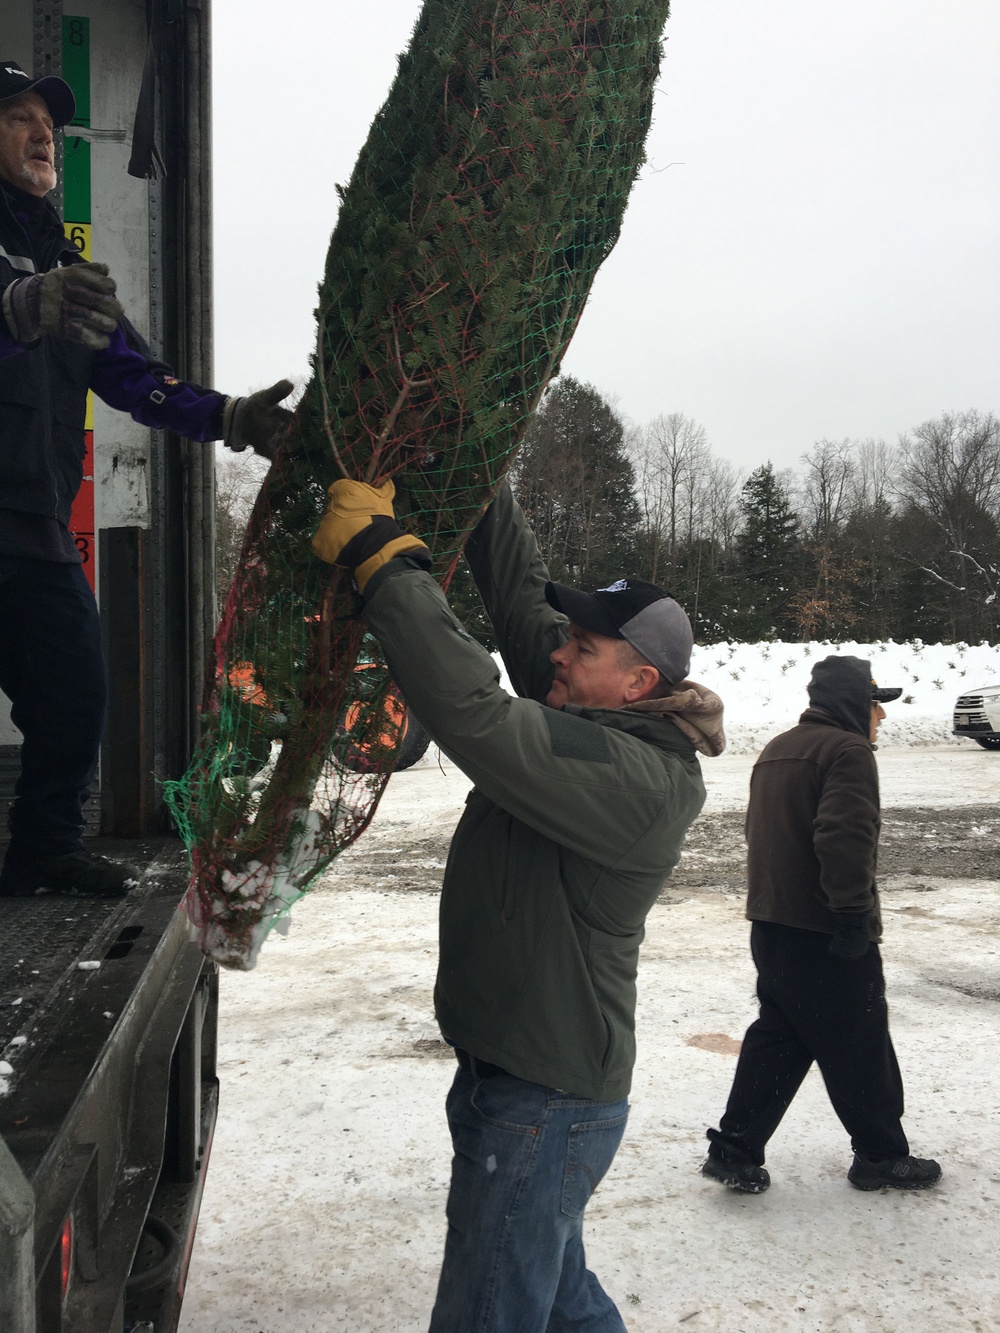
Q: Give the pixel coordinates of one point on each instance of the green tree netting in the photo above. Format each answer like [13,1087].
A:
[492,185]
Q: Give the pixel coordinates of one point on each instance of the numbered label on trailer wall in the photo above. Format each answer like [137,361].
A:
[76,193]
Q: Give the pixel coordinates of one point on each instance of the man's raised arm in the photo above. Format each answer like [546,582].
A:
[510,574]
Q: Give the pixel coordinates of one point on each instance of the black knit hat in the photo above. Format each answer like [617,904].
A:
[54,92]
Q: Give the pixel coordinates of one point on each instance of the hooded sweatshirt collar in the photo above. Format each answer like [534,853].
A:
[695,710]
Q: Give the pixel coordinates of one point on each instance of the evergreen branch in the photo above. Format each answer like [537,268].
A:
[325,399]
[406,388]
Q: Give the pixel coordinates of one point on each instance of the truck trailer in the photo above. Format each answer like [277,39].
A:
[108,1090]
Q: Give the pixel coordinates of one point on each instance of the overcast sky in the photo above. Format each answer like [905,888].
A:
[822,259]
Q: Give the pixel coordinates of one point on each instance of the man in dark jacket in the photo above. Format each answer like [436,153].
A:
[812,831]
[584,787]
[62,332]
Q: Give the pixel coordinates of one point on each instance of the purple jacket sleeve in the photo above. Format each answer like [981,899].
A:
[128,377]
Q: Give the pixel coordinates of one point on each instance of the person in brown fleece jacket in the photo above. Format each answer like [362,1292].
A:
[812,832]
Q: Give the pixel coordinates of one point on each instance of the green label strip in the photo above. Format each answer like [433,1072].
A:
[76,151]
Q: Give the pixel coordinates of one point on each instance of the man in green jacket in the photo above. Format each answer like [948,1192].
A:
[585,785]
[812,838]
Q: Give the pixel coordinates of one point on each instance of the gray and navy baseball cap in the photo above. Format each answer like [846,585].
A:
[648,618]
[54,92]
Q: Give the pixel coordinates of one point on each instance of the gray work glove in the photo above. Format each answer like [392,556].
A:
[77,303]
[257,420]
[850,936]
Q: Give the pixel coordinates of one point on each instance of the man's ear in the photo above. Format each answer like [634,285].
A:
[645,681]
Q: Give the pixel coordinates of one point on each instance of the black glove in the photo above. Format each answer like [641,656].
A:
[76,302]
[257,420]
[850,935]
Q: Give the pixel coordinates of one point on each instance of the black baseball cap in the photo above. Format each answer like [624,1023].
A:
[651,620]
[54,92]
[884,696]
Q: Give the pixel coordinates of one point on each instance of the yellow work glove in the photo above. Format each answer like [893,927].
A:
[359,531]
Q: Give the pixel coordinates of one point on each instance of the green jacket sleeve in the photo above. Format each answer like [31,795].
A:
[606,795]
[511,576]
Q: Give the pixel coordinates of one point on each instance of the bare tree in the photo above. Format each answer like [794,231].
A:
[722,503]
[672,460]
[712,541]
[237,481]
[825,601]
[872,537]
[826,487]
[873,482]
[951,468]
[951,473]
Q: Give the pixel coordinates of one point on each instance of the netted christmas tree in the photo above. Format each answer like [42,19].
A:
[492,185]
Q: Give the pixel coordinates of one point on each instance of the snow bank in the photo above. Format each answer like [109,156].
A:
[763,685]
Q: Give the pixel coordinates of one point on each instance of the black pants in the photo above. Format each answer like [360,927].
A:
[814,1007]
[52,670]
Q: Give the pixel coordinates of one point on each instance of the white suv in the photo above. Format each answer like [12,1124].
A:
[977,715]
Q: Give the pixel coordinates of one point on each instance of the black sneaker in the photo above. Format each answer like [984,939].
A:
[78,874]
[744,1175]
[894,1173]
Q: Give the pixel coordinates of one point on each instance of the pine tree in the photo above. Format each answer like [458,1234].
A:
[576,484]
[769,551]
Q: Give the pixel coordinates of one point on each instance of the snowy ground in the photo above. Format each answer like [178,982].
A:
[325,1198]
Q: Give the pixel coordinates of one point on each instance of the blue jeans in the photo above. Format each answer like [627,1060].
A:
[52,670]
[527,1159]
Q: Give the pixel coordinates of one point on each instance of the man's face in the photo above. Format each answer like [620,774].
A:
[27,153]
[589,672]
[878,716]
